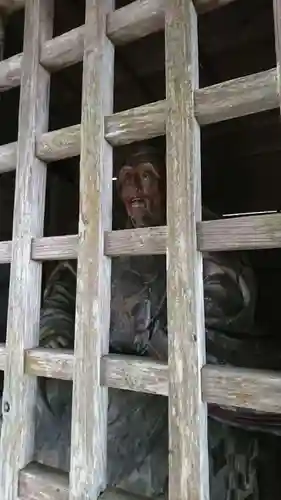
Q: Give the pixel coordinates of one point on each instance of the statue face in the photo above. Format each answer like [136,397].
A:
[139,189]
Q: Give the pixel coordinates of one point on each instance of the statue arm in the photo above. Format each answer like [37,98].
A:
[57,328]
[57,319]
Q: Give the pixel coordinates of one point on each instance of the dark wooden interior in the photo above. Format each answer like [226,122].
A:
[240,157]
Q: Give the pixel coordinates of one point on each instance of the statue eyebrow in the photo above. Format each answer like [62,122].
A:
[124,170]
[149,166]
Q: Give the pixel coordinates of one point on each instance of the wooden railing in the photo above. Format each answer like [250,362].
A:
[179,116]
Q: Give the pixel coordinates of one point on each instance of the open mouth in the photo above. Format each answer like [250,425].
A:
[138,203]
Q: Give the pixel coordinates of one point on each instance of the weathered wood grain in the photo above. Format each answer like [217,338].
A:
[240,233]
[224,101]
[59,144]
[19,397]
[2,36]
[136,20]
[2,356]
[54,248]
[10,72]
[124,25]
[123,372]
[242,388]
[140,241]
[64,50]
[238,97]
[5,252]
[38,482]
[8,157]
[92,322]
[243,233]
[227,386]
[136,124]
[134,374]
[188,462]
[49,363]
[277,30]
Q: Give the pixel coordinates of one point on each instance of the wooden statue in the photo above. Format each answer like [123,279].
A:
[137,423]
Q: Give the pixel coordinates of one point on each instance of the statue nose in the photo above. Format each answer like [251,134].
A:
[137,183]
[139,188]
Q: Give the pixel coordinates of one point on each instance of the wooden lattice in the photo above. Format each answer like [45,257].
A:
[185,109]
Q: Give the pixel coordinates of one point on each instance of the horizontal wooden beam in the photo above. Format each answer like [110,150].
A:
[126,127]
[131,22]
[254,232]
[135,374]
[8,157]
[259,390]
[49,363]
[54,248]
[140,241]
[5,252]
[64,50]
[10,72]
[240,233]
[120,372]
[135,21]
[124,25]
[250,389]
[137,124]
[59,144]
[224,101]
[39,482]
[238,97]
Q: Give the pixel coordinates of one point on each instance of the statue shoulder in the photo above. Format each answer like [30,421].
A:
[230,290]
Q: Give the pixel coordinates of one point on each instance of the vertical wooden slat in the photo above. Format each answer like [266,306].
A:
[277,25]
[17,435]
[90,400]
[188,462]
[2,35]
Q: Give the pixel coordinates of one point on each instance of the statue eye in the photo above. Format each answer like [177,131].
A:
[146,176]
[127,178]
